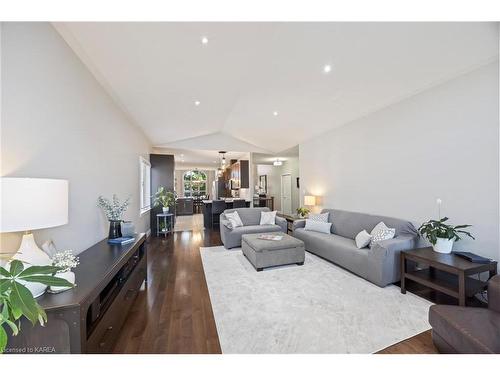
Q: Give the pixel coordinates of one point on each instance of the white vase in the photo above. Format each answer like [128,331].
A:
[165,210]
[69,276]
[443,245]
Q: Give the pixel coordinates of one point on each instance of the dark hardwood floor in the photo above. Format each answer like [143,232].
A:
[174,315]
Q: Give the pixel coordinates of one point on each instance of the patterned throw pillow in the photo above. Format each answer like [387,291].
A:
[234,219]
[319,217]
[381,233]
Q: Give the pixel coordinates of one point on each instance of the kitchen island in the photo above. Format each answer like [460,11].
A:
[207,210]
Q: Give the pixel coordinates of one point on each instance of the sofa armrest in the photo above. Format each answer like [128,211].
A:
[393,246]
[301,223]
[282,223]
[494,293]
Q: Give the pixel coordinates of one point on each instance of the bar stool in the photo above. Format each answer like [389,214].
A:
[239,203]
[218,207]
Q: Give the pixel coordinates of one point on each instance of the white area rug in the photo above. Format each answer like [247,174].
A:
[314,308]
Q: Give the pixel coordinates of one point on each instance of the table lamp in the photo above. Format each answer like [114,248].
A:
[29,204]
[309,200]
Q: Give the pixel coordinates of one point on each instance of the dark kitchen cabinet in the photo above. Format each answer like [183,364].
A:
[184,206]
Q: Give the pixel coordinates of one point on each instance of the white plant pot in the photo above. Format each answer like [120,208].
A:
[165,210]
[69,276]
[443,246]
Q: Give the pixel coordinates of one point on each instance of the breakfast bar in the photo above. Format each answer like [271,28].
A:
[207,210]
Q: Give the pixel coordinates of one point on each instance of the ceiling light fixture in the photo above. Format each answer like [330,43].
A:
[204,40]
[197,103]
[223,159]
[327,68]
[277,163]
[275,113]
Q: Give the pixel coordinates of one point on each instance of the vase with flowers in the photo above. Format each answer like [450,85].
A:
[65,261]
[114,211]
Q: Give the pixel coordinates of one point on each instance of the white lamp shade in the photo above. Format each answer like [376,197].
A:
[309,200]
[33,203]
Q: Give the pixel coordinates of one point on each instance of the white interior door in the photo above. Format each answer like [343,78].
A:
[286,194]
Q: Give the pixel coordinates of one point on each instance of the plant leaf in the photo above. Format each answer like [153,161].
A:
[4,272]
[4,285]
[3,339]
[16,267]
[48,280]
[13,327]
[21,298]
[39,270]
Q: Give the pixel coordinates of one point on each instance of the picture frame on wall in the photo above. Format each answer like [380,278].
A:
[263,183]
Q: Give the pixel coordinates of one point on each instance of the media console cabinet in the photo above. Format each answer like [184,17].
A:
[88,318]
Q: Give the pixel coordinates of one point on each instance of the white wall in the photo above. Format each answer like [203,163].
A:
[441,143]
[57,122]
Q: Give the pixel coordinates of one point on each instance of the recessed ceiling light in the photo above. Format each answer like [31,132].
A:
[197,103]
[327,68]
[275,113]
[204,40]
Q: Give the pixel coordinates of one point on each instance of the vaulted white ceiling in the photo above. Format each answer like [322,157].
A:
[247,71]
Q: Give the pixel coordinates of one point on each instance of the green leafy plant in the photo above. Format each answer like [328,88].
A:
[303,211]
[434,229]
[17,301]
[163,197]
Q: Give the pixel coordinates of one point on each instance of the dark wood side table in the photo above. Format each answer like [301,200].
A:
[446,273]
[289,221]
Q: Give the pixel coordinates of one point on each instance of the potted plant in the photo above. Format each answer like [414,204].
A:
[114,211]
[164,198]
[65,260]
[302,211]
[17,301]
[442,236]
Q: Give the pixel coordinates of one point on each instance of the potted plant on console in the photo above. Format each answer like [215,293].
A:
[17,301]
[65,261]
[164,198]
[442,236]
[114,211]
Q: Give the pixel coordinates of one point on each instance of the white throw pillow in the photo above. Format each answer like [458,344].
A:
[317,226]
[268,218]
[381,232]
[319,217]
[363,239]
[234,219]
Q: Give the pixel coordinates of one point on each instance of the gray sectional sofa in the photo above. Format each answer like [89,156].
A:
[250,217]
[379,264]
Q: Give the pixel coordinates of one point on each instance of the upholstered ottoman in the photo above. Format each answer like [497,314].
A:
[266,253]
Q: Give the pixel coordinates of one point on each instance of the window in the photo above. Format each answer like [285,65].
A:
[145,185]
[195,183]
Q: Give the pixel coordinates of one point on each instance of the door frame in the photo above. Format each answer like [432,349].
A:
[290,193]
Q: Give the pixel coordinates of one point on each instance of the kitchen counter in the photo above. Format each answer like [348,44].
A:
[207,210]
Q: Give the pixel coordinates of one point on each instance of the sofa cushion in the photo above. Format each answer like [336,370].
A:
[330,246]
[349,224]
[249,216]
[256,229]
[318,226]
[467,329]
